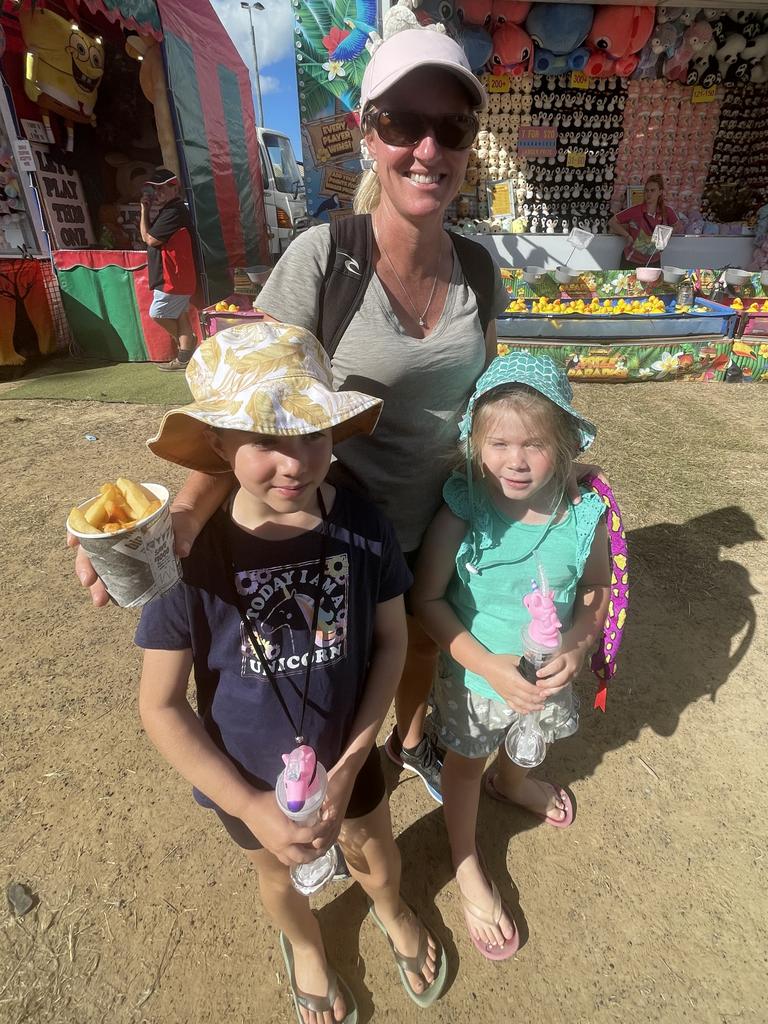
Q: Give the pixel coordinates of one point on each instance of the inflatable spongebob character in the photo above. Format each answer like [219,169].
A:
[62,70]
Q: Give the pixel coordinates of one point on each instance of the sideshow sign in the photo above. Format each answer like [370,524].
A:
[61,193]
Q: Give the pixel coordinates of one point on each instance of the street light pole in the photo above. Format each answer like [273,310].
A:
[250,8]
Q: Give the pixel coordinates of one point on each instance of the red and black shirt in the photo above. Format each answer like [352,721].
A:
[172,265]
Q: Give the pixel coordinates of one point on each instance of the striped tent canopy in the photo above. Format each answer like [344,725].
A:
[211,95]
[133,15]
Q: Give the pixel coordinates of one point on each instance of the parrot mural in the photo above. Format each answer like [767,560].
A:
[362,25]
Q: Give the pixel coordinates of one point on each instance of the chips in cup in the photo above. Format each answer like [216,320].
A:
[119,506]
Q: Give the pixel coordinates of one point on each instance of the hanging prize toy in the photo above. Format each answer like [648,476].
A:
[300,791]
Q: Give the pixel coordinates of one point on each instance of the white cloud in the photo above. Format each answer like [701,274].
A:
[269,84]
[273,28]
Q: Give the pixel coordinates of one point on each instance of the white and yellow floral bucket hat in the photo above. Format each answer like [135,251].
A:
[267,378]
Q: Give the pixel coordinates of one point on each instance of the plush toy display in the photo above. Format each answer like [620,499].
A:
[512,50]
[513,11]
[62,70]
[740,152]
[558,31]
[662,44]
[617,36]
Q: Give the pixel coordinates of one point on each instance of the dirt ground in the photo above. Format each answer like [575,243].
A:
[651,908]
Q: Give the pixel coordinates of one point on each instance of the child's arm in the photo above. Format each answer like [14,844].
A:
[435,568]
[390,641]
[589,613]
[178,734]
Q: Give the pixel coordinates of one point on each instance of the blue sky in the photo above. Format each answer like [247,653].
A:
[274,42]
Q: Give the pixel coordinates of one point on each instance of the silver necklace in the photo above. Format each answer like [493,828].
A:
[421,319]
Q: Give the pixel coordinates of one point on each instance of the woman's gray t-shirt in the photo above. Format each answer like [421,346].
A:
[425,384]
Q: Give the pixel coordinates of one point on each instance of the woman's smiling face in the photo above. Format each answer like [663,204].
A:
[422,179]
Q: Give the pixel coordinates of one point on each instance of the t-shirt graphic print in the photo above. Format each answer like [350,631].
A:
[279,603]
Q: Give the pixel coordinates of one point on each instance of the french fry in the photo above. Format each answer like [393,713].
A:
[118,511]
[96,513]
[114,527]
[119,506]
[79,523]
[135,495]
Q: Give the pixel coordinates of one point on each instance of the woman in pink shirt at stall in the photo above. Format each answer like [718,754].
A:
[636,225]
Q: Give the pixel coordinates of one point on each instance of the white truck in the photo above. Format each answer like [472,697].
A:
[284,197]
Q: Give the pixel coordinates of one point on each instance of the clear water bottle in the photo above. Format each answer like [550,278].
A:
[685,293]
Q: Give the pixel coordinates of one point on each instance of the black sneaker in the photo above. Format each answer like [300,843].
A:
[174,364]
[341,874]
[424,761]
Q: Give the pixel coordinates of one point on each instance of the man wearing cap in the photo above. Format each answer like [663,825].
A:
[171,262]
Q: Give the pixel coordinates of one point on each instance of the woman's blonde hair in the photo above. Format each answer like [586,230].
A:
[556,429]
[368,193]
[656,179]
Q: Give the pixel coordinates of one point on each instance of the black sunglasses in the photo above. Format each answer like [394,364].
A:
[407,127]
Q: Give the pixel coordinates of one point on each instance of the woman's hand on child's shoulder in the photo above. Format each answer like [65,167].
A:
[562,670]
[505,678]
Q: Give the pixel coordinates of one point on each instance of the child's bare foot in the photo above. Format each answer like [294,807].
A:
[310,969]
[488,924]
[540,797]
[404,931]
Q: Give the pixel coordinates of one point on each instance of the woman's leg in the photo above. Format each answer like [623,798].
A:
[373,860]
[462,777]
[407,744]
[512,782]
[415,684]
[289,912]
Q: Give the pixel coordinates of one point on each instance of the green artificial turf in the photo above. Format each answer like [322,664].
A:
[77,380]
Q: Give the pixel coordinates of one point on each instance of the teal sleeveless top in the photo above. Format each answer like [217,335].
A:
[504,554]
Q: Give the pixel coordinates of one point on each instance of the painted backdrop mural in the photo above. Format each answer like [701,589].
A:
[331,57]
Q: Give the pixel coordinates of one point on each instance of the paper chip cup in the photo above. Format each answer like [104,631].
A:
[139,563]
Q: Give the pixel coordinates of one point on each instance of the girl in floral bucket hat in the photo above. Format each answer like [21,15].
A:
[290,610]
[507,522]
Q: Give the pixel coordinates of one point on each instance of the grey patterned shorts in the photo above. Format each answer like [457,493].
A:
[475,726]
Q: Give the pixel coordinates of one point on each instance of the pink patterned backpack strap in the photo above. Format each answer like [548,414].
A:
[603,662]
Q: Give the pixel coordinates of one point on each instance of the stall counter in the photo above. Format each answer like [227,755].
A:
[604,251]
[106,297]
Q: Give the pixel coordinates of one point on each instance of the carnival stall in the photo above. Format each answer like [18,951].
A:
[587,101]
[100,92]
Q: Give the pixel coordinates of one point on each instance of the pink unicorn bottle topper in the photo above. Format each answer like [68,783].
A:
[298,776]
[544,627]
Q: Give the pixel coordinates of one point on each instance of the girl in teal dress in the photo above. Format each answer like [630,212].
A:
[506,519]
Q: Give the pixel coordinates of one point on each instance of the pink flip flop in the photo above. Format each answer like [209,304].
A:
[558,791]
[491,952]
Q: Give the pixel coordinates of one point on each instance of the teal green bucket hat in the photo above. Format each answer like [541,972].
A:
[539,373]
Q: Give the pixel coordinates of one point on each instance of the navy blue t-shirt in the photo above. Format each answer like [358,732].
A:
[276,583]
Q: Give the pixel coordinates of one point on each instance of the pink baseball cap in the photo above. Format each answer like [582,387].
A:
[410,50]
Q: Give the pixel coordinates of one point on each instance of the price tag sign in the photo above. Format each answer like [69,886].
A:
[501,200]
[25,155]
[576,158]
[580,80]
[702,95]
[499,83]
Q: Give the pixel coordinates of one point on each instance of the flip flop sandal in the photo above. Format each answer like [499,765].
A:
[415,964]
[317,1004]
[558,791]
[490,950]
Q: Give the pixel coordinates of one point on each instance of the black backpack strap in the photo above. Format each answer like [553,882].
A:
[347,273]
[480,272]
